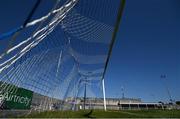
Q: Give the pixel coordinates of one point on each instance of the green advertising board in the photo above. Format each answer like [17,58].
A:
[16,98]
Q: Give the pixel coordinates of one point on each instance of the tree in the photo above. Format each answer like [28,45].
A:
[161,102]
[178,102]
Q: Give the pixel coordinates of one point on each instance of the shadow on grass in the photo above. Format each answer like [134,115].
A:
[88,115]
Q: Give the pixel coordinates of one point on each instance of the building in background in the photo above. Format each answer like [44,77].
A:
[114,103]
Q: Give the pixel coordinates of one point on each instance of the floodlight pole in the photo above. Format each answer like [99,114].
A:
[85,96]
[104,94]
[167,88]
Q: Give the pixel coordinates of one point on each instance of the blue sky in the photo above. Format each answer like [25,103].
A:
[146,47]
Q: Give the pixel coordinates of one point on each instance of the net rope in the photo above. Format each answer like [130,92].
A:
[57,54]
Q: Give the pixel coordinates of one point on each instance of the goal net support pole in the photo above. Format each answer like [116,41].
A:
[104,95]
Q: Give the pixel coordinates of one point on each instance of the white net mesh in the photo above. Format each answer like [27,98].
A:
[60,53]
